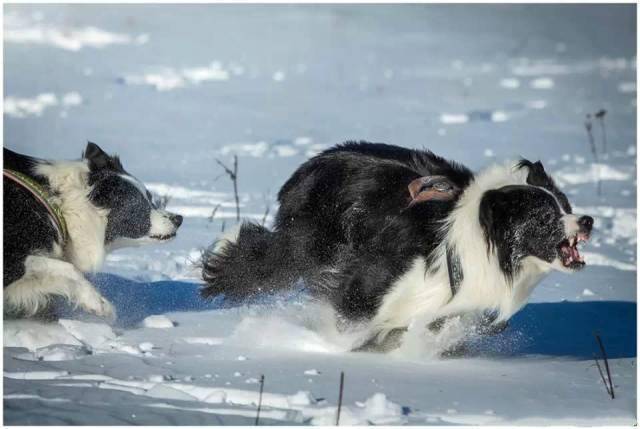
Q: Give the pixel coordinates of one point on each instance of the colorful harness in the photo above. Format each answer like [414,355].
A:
[42,195]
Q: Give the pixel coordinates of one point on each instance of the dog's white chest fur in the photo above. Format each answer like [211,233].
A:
[412,295]
[425,292]
[419,294]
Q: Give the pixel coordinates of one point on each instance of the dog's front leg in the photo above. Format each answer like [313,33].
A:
[45,277]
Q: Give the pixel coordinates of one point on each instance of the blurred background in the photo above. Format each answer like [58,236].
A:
[172,88]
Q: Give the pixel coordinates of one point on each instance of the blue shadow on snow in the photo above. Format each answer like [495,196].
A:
[135,300]
[551,329]
[566,329]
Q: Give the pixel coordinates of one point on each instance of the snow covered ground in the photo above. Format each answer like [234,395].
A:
[172,88]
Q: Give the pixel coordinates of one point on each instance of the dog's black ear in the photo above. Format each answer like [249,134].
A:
[537,176]
[99,159]
[492,214]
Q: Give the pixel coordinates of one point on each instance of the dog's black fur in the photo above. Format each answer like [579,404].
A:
[348,227]
[344,218]
[28,228]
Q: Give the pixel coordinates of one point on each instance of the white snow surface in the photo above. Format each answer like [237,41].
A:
[187,85]
[167,78]
[31,30]
[20,107]
[157,321]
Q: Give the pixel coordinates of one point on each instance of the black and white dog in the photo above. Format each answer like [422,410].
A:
[60,220]
[388,235]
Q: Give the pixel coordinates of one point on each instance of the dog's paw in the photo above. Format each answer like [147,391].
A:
[106,310]
[95,303]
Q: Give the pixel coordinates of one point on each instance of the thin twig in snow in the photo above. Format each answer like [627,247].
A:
[267,209]
[233,175]
[214,211]
[588,124]
[340,398]
[604,381]
[600,115]
[606,365]
[260,400]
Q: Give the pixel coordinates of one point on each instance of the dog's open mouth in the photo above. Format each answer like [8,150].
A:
[568,251]
[163,237]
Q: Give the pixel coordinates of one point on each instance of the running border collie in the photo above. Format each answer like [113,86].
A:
[365,229]
[60,220]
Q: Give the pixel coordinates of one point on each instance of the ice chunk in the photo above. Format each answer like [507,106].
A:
[157,321]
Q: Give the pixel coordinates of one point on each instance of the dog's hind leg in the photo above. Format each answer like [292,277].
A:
[45,277]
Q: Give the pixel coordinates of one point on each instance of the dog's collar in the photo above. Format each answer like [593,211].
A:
[43,195]
[454,268]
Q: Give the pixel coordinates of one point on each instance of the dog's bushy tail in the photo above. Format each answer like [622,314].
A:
[256,263]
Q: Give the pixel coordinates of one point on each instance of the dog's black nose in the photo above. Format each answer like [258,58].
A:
[586,222]
[176,220]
